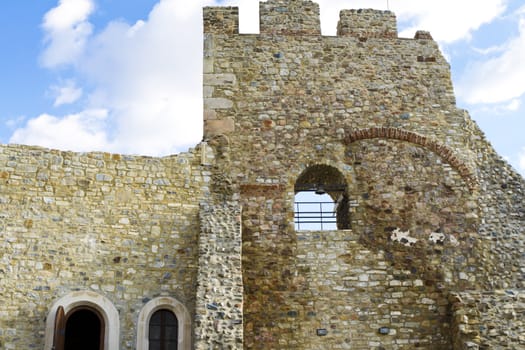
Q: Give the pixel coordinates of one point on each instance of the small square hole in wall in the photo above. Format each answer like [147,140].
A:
[321,332]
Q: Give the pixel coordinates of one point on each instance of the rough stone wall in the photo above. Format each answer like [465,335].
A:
[502,229]
[489,320]
[297,17]
[360,299]
[425,190]
[126,227]
[434,219]
[218,321]
[410,190]
[366,24]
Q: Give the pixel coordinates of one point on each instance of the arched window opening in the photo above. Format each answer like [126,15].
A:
[164,323]
[163,330]
[321,200]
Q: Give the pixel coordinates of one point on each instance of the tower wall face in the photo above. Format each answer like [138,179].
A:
[381,111]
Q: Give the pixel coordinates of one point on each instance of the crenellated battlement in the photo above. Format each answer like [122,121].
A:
[302,17]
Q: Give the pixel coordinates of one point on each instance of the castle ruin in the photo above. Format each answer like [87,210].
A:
[202,250]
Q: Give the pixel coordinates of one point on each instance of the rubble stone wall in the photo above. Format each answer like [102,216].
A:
[424,189]
[125,227]
[218,321]
[489,320]
[429,250]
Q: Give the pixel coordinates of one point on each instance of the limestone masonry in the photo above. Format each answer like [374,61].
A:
[428,251]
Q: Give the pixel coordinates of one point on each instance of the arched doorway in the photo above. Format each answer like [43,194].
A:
[84,329]
[91,312]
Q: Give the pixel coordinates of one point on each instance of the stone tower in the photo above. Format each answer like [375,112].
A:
[424,247]
[430,215]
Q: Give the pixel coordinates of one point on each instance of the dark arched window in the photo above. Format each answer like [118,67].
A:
[163,330]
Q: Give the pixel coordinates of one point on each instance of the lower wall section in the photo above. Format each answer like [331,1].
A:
[342,295]
[123,227]
[360,302]
[489,319]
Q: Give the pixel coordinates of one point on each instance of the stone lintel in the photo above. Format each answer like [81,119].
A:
[217,103]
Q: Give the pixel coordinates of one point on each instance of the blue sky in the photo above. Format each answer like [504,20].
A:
[125,76]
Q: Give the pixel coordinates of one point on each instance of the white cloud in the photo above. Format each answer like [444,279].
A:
[513,105]
[66,93]
[147,76]
[76,132]
[497,109]
[66,30]
[497,79]
[447,20]
[67,14]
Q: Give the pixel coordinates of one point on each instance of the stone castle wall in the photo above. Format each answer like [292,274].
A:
[423,186]
[125,227]
[489,320]
[429,247]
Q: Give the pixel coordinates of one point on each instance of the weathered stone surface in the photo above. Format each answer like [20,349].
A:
[489,320]
[122,226]
[380,110]
[428,253]
[218,127]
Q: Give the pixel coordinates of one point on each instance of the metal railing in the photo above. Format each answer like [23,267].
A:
[315,216]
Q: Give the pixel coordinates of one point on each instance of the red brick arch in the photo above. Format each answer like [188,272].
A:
[403,135]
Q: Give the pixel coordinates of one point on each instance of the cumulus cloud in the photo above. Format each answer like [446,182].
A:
[66,29]
[146,75]
[149,75]
[66,93]
[447,20]
[73,132]
[499,78]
